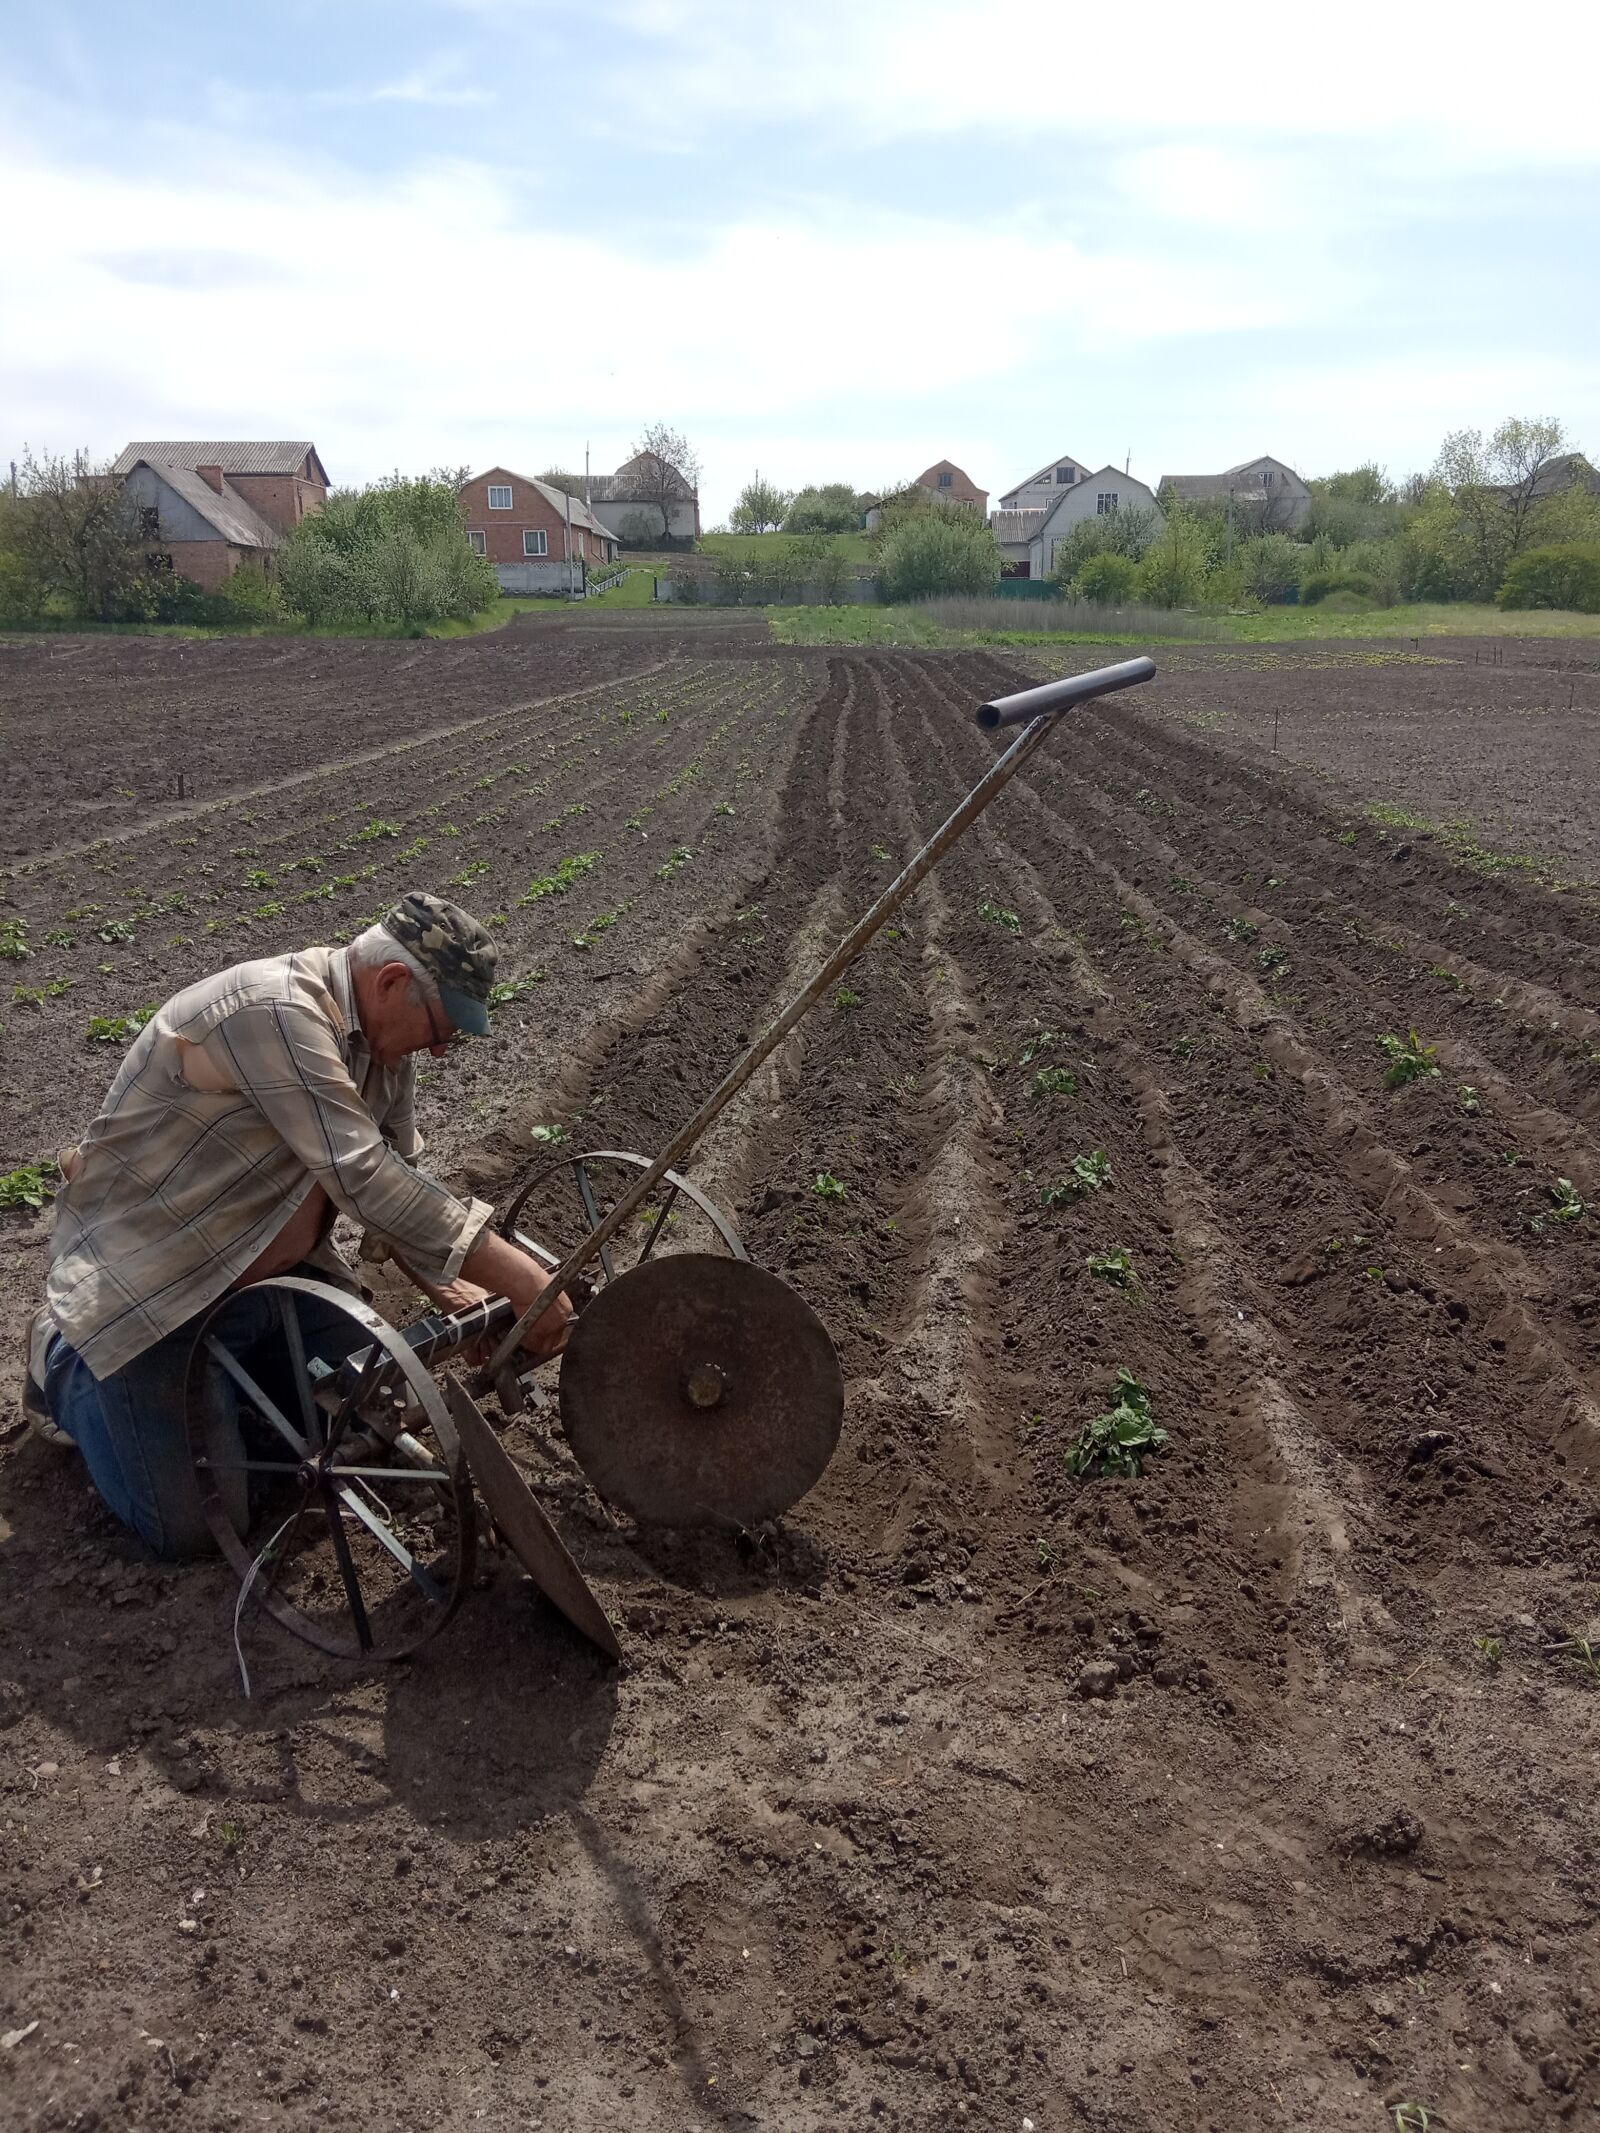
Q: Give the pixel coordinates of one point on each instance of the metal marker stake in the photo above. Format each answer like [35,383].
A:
[1037,711]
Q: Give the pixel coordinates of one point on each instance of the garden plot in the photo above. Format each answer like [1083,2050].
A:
[1171,1707]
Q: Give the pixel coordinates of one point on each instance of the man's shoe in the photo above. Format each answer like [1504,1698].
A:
[36,1352]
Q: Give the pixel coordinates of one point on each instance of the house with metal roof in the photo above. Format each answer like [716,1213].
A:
[1265,492]
[629,502]
[206,508]
[1042,489]
[1093,496]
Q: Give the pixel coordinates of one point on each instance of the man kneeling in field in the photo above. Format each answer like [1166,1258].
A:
[252,1110]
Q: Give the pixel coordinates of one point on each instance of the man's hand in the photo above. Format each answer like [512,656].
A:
[509,1271]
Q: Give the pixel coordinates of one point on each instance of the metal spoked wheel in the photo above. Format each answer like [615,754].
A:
[329,1469]
[565,1200]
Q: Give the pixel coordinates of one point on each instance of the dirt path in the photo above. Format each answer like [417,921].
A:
[1246,1793]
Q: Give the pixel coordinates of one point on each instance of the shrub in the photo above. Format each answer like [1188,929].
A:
[1107,578]
[1126,533]
[1339,586]
[939,551]
[1566,577]
[1270,567]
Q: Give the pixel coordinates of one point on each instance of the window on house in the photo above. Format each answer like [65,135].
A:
[533,541]
[945,480]
[1065,476]
[499,496]
[1266,477]
[1107,501]
[478,542]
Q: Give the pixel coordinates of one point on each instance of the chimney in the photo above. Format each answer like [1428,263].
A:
[212,477]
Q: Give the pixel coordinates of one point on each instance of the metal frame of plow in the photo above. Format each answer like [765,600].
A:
[1037,710]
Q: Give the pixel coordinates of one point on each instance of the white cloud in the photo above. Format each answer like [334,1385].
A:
[436,83]
[405,319]
[1420,78]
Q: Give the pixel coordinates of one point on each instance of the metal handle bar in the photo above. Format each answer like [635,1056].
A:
[1061,695]
[1064,694]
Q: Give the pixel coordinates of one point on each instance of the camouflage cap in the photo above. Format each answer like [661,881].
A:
[453,948]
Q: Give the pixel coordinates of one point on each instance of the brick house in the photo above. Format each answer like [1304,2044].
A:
[951,486]
[538,538]
[209,508]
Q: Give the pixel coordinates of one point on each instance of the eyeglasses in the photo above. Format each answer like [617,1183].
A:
[438,1043]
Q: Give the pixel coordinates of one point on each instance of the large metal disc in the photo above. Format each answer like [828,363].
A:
[701,1391]
[521,1519]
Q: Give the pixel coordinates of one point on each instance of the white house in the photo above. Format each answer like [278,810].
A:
[1040,491]
[1268,490]
[1094,496]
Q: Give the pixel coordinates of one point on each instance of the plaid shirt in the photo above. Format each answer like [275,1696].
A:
[200,1156]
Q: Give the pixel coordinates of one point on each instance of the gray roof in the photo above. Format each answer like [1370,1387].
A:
[1047,473]
[1190,485]
[1016,525]
[237,522]
[236,457]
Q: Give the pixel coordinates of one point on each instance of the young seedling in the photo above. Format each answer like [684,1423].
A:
[548,1136]
[1568,1207]
[1410,2117]
[1468,1100]
[28,1186]
[1090,1173]
[376,829]
[844,999]
[1120,1440]
[557,884]
[1042,1040]
[997,915]
[1115,1266]
[118,1029]
[1184,1047]
[679,859]
[1239,929]
[1054,1081]
[1409,1060]
[1272,959]
[510,989]
[1489,1649]
[259,878]
[59,937]
[1582,1654]
[116,929]
[827,1187]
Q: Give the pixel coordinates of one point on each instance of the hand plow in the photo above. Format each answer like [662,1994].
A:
[695,1388]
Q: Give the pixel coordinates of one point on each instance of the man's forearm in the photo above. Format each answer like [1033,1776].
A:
[506,1270]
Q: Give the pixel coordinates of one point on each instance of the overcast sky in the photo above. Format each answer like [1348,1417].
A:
[832,241]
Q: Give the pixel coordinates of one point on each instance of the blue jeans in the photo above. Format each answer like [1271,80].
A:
[130,1426]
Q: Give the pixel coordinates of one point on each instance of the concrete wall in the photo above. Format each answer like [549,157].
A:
[538,575]
[180,521]
[685,517]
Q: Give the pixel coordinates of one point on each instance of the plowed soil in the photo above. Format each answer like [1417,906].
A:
[1252,1791]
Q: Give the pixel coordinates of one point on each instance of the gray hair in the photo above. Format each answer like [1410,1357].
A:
[377,945]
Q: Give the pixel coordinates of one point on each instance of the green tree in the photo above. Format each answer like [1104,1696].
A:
[761,508]
[1270,568]
[1174,568]
[396,551]
[950,549]
[1493,489]
[75,535]
[831,508]
[669,471]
